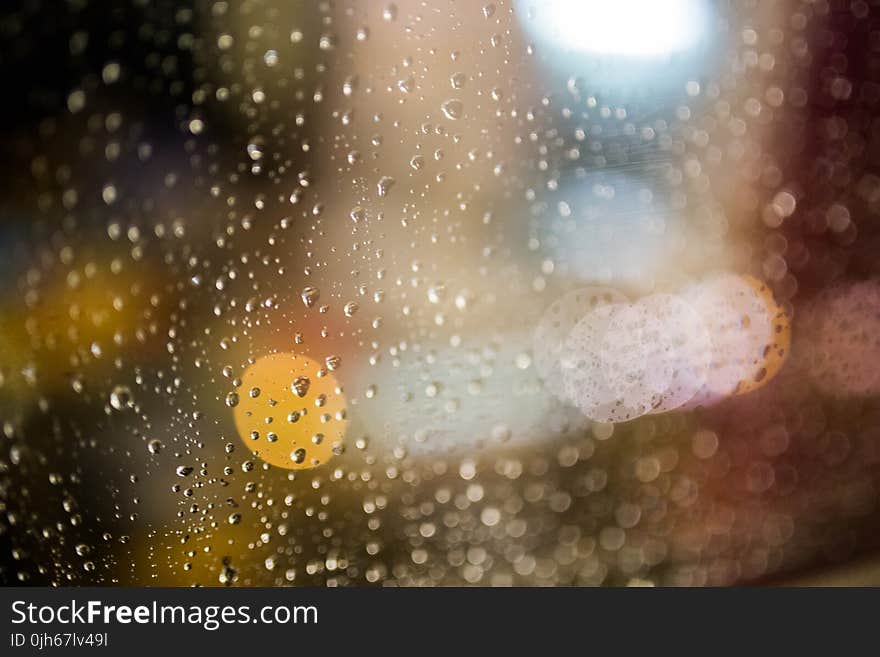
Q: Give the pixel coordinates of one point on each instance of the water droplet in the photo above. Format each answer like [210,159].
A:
[452,109]
[436,293]
[310,296]
[300,387]
[350,85]
[255,149]
[385,184]
[120,398]
[228,574]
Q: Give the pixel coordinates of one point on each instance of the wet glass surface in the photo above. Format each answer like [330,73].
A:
[432,293]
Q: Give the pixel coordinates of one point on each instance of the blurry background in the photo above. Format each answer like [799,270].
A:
[395,194]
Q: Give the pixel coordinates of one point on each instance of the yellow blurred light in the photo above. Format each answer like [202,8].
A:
[776,351]
[291,411]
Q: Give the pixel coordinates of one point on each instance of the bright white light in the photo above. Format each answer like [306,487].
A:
[631,28]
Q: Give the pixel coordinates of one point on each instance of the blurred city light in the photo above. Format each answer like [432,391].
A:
[630,28]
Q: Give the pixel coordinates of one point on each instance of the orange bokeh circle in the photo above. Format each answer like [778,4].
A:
[290,411]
